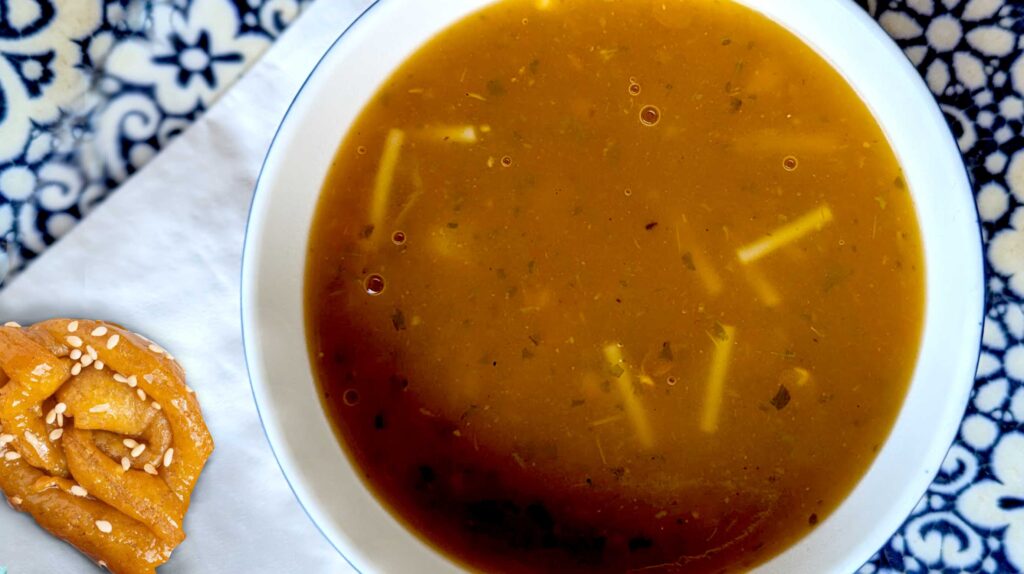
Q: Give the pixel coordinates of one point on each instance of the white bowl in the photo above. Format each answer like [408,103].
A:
[324,479]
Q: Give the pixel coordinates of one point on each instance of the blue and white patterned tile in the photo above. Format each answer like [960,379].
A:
[90,90]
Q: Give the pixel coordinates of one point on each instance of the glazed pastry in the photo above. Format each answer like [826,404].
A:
[101,440]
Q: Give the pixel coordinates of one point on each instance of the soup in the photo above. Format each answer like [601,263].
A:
[614,285]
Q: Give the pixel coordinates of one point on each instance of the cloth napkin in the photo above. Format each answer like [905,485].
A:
[162,256]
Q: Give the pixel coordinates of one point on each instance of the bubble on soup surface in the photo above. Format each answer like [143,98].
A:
[790,163]
[650,115]
[374,284]
[350,397]
[398,237]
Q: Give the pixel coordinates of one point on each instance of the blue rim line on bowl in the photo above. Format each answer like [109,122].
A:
[865,19]
[242,294]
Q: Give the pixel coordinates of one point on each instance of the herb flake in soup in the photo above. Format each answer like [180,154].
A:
[609,285]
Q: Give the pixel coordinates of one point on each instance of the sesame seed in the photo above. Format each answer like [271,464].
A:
[87,360]
[6,439]
[78,491]
[120,378]
[156,348]
[99,331]
[149,468]
[77,368]
[148,378]
[60,419]
[35,443]
[125,463]
[156,406]
[138,450]
[102,564]
[113,341]
[73,340]
[100,408]
[61,408]
[76,354]
[12,324]
[141,393]
[51,417]
[55,434]
[104,526]
[12,455]
[132,381]
[16,500]
[72,326]
[99,365]
[168,457]
[92,352]
[190,389]
[130,443]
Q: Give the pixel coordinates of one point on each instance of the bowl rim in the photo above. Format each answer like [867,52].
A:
[243,291]
[279,447]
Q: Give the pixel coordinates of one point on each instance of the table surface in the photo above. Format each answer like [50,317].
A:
[91,90]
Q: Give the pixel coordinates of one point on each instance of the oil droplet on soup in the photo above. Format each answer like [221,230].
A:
[564,375]
[650,115]
[374,284]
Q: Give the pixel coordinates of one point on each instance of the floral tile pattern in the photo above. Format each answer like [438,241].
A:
[90,90]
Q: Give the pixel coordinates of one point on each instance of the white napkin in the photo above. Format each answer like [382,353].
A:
[162,257]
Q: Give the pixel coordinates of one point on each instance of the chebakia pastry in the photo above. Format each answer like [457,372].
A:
[101,440]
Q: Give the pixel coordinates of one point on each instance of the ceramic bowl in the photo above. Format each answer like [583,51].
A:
[323,478]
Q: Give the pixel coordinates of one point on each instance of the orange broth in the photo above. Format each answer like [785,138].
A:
[614,285]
